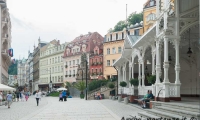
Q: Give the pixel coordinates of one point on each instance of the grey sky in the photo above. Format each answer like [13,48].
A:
[63,19]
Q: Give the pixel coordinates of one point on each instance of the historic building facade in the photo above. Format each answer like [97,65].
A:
[113,46]
[36,59]
[96,63]
[5,59]
[29,71]
[51,65]
[75,49]
[171,46]
[21,72]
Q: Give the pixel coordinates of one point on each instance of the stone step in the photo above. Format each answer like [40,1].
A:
[179,111]
[163,114]
[147,115]
[188,107]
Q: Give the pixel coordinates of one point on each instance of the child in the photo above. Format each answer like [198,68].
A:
[60,97]
[26,96]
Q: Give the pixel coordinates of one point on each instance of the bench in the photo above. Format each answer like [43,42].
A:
[138,101]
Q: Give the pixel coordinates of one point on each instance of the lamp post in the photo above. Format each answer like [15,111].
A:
[50,83]
[86,79]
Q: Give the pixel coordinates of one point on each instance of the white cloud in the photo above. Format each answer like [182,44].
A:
[63,19]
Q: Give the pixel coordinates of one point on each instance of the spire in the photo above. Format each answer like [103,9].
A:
[39,40]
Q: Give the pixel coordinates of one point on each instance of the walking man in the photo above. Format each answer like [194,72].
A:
[9,99]
[37,96]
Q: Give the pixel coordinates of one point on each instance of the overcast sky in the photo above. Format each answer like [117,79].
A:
[63,19]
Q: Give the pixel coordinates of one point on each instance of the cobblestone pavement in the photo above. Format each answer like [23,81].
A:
[121,109]
[21,109]
[74,109]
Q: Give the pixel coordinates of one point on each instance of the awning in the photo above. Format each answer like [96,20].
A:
[6,88]
[146,37]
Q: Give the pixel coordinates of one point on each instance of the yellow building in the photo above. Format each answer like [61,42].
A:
[149,14]
[113,46]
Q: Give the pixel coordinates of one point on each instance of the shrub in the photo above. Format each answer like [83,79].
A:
[123,84]
[134,82]
[111,85]
[151,79]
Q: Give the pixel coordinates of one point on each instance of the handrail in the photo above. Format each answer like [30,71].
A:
[159,92]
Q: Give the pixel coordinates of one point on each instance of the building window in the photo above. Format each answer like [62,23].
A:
[66,73]
[108,62]
[53,61]
[52,69]
[66,63]
[61,58]
[77,61]
[108,50]
[111,37]
[119,49]
[73,62]
[73,73]
[70,63]
[116,36]
[58,68]
[56,79]
[136,32]
[113,51]
[61,68]
[113,61]
[53,79]
[58,59]
[123,35]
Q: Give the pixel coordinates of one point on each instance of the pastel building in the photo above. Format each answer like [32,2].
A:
[51,65]
[75,49]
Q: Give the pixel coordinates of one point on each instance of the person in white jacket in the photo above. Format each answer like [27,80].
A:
[37,97]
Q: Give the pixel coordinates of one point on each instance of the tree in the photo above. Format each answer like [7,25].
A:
[12,70]
[134,18]
[81,87]
[120,26]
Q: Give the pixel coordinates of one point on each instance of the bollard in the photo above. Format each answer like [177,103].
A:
[119,98]
[126,100]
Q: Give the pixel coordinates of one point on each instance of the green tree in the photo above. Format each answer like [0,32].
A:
[120,26]
[80,86]
[12,70]
[134,18]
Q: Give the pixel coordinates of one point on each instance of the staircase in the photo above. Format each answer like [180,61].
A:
[172,110]
[103,90]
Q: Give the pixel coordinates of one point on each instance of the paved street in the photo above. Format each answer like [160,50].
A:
[74,109]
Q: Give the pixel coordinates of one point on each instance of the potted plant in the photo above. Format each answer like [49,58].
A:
[81,87]
[111,86]
[123,84]
[134,82]
[151,79]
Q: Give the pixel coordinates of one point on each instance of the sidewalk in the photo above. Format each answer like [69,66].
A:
[73,109]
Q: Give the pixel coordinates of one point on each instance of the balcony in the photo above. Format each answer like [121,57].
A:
[66,66]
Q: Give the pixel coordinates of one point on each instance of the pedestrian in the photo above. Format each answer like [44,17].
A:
[17,94]
[64,95]
[60,97]
[37,96]
[9,99]
[20,95]
[26,96]
[1,97]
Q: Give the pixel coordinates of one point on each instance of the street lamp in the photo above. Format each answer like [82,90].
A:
[86,78]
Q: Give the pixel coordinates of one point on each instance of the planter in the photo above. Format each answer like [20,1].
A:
[110,97]
[82,96]
[126,100]
[119,98]
[132,98]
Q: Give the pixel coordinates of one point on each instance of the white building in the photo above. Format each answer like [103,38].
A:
[172,48]
[21,72]
[12,80]
[51,65]
[5,59]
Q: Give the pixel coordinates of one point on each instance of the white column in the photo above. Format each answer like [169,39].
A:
[177,66]
[139,74]
[0,46]
[130,68]
[143,76]
[158,62]
[166,63]
[153,63]
[133,70]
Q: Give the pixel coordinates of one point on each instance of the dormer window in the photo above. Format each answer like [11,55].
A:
[151,17]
